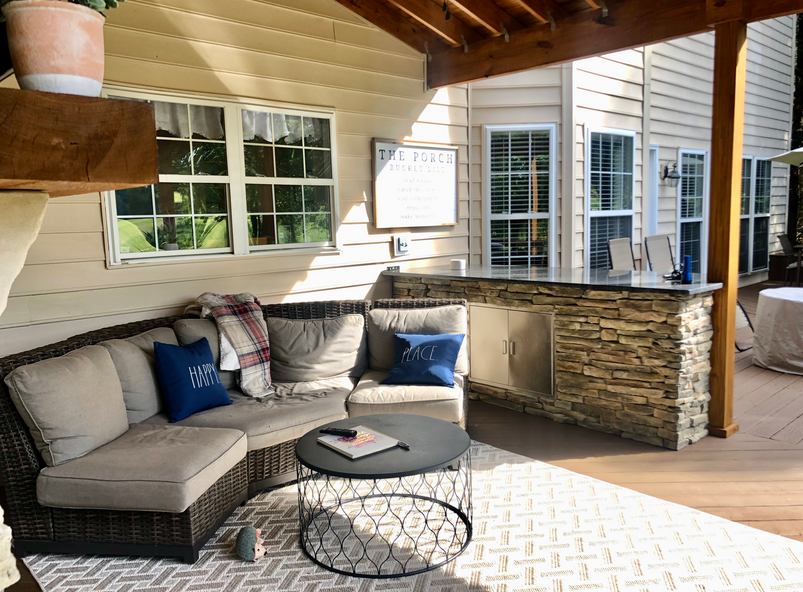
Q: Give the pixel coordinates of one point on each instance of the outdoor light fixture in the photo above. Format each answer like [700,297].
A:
[672,179]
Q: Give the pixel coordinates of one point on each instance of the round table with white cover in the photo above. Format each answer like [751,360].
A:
[778,340]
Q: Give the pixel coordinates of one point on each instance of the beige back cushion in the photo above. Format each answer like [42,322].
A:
[317,349]
[384,323]
[191,330]
[72,404]
[136,367]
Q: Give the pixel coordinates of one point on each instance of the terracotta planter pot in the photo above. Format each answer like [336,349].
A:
[56,46]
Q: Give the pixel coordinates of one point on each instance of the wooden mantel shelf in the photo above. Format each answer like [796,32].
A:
[68,145]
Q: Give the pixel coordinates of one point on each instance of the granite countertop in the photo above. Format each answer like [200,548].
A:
[595,279]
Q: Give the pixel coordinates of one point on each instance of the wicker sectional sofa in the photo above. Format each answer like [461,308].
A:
[241,459]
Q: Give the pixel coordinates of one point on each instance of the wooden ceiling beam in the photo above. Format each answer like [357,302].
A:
[489,15]
[430,15]
[542,9]
[632,23]
[768,9]
[390,21]
[722,11]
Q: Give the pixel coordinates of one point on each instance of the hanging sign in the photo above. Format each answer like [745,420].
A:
[414,185]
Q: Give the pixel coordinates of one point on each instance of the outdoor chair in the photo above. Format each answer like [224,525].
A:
[620,251]
[659,253]
[791,256]
[661,260]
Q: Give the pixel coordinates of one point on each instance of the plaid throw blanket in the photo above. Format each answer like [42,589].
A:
[239,317]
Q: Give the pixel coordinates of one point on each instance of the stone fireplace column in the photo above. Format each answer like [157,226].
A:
[21,215]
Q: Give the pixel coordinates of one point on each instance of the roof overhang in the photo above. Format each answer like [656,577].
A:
[485,38]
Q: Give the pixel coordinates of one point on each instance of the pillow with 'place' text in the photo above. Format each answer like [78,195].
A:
[188,378]
[425,359]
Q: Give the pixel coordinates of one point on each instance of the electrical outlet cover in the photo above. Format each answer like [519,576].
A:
[401,244]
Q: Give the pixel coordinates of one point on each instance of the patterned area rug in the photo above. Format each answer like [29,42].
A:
[536,528]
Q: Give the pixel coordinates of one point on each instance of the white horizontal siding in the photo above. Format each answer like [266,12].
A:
[308,52]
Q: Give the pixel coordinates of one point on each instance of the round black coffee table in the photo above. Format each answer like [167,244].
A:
[391,514]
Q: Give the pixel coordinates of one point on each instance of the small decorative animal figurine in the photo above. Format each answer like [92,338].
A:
[250,545]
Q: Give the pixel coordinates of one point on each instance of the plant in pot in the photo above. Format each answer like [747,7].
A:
[57,45]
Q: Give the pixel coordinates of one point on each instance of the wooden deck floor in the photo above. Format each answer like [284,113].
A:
[754,477]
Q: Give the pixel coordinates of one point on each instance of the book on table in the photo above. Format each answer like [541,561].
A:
[366,442]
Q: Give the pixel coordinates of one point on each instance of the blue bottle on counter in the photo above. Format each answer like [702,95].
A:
[686,279]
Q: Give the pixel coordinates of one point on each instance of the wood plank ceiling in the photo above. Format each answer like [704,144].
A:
[468,40]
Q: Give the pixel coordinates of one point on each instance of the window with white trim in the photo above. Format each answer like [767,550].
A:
[754,223]
[232,179]
[693,190]
[610,186]
[519,189]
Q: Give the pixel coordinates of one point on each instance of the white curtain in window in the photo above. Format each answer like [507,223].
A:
[257,124]
[174,118]
[288,127]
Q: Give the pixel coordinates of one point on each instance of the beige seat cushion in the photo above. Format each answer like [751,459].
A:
[136,367]
[72,404]
[149,468]
[313,349]
[441,402]
[384,323]
[296,408]
[191,330]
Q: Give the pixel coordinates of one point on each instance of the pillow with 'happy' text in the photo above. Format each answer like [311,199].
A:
[188,379]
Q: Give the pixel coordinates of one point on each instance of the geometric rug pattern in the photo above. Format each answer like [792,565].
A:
[537,528]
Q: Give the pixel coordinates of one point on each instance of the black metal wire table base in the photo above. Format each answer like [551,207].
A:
[386,528]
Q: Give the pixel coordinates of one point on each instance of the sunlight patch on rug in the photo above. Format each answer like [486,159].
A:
[537,528]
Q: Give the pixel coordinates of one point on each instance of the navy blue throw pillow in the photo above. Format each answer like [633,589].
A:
[425,359]
[188,378]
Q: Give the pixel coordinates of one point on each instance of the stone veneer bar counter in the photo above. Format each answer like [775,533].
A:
[631,350]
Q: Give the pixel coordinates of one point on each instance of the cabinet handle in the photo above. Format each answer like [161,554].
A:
[504,347]
[512,348]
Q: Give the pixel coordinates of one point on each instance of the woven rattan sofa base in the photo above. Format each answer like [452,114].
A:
[49,530]
[158,534]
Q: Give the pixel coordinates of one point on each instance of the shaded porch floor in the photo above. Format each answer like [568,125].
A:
[754,477]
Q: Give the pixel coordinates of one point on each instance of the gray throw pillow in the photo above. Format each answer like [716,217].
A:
[135,363]
[384,323]
[72,404]
[317,349]
[191,330]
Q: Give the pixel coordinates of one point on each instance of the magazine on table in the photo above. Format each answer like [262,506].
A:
[366,442]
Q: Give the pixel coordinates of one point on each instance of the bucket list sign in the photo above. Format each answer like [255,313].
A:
[414,185]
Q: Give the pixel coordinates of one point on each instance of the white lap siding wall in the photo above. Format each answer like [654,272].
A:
[310,53]
[663,94]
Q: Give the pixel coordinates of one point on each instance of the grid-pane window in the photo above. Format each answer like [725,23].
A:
[610,193]
[520,187]
[188,210]
[277,168]
[747,179]
[744,245]
[603,229]
[611,172]
[282,152]
[755,215]
[692,207]
[761,239]
[761,204]
[691,243]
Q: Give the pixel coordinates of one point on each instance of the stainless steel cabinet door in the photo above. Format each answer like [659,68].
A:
[489,344]
[530,347]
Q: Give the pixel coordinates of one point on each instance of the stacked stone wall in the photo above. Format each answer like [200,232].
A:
[635,364]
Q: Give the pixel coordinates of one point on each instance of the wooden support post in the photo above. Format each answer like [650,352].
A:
[730,68]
